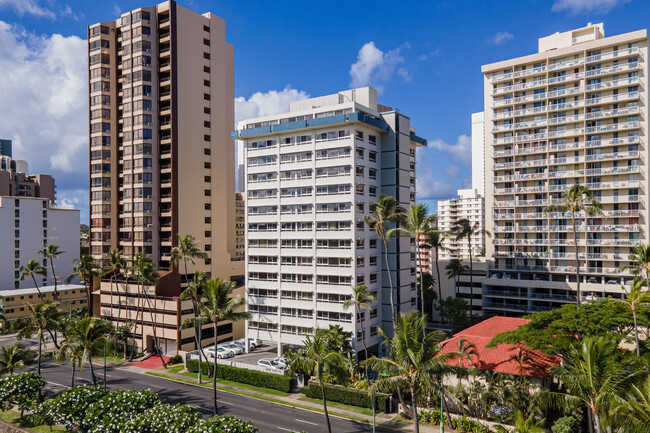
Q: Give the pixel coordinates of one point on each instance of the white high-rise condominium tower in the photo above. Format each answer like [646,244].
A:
[469,205]
[575,112]
[311,176]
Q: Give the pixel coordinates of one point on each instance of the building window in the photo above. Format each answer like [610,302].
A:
[208,234]
[206,69]
[206,56]
[206,96]
[206,42]
[208,220]
[207,206]
[207,165]
[207,193]
[208,247]
[206,110]
[206,29]
[206,124]
[206,151]
[206,137]
[207,178]
[206,83]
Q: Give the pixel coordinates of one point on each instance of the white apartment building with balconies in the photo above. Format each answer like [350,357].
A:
[575,112]
[469,205]
[311,175]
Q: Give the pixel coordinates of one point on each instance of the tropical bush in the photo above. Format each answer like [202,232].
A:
[163,418]
[176,359]
[350,396]
[117,407]
[21,390]
[241,375]
[69,408]
[566,424]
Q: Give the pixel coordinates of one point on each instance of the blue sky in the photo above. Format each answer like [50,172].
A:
[424,56]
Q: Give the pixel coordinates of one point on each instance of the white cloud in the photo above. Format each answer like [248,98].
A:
[460,152]
[452,170]
[27,7]
[427,187]
[575,7]
[500,38]
[375,68]
[44,92]
[266,104]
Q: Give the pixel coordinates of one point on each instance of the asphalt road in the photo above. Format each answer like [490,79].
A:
[267,416]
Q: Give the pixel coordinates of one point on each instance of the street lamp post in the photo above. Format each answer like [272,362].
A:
[442,397]
[104,364]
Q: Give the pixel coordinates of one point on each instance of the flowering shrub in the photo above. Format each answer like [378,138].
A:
[114,409]
[163,419]
[224,424]
[69,408]
[20,390]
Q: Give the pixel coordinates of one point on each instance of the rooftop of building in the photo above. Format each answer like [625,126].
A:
[44,289]
[558,44]
[500,359]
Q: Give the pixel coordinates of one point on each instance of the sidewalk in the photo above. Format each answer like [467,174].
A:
[383,419]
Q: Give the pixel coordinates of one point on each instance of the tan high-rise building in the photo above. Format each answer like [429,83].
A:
[574,112]
[161,156]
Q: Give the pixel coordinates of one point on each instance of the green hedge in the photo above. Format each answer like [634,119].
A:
[351,396]
[241,375]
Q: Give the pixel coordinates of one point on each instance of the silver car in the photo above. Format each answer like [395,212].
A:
[234,349]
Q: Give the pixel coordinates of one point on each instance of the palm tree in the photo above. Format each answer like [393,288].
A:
[33,269]
[411,357]
[186,250]
[43,316]
[114,266]
[193,293]
[465,351]
[91,334]
[51,252]
[635,298]
[361,300]
[386,211]
[317,357]
[73,350]
[464,229]
[577,199]
[527,425]
[435,241]
[593,375]
[146,275]
[522,358]
[84,268]
[14,358]
[217,307]
[455,268]
[640,263]
[633,412]
[418,223]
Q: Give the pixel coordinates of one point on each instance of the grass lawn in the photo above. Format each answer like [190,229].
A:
[361,410]
[14,417]
[176,368]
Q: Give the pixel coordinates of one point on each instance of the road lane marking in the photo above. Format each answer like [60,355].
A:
[285,429]
[306,422]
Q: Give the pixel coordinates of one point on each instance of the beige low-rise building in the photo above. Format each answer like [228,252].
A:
[13,302]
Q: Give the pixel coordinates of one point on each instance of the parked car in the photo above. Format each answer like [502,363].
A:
[221,352]
[256,341]
[280,362]
[234,349]
[267,362]
[242,343]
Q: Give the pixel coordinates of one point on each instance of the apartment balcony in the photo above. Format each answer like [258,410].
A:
[566,173]
[566,119]
[517,74]
[530,137]
[506,178]
[612,55]
[565,64]
[596,228]
[505,306]
[611,170]
[529,150]
[530,124]
[502,128]
[611,84]
[565,78]
[565,92]
[502,89]
[612,156]
[503,140]
[566,146]
[505,294]
[503,115]
[621,97]
[502,102]
[561,161]
[566,133]
[612,113]
[612,185]
[551,297]
[612,70]
[612,127]
[531,176]
[612,142]
[565,105]
[529,111]
[529,98]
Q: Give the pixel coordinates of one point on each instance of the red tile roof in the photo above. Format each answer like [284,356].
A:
[497,359]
